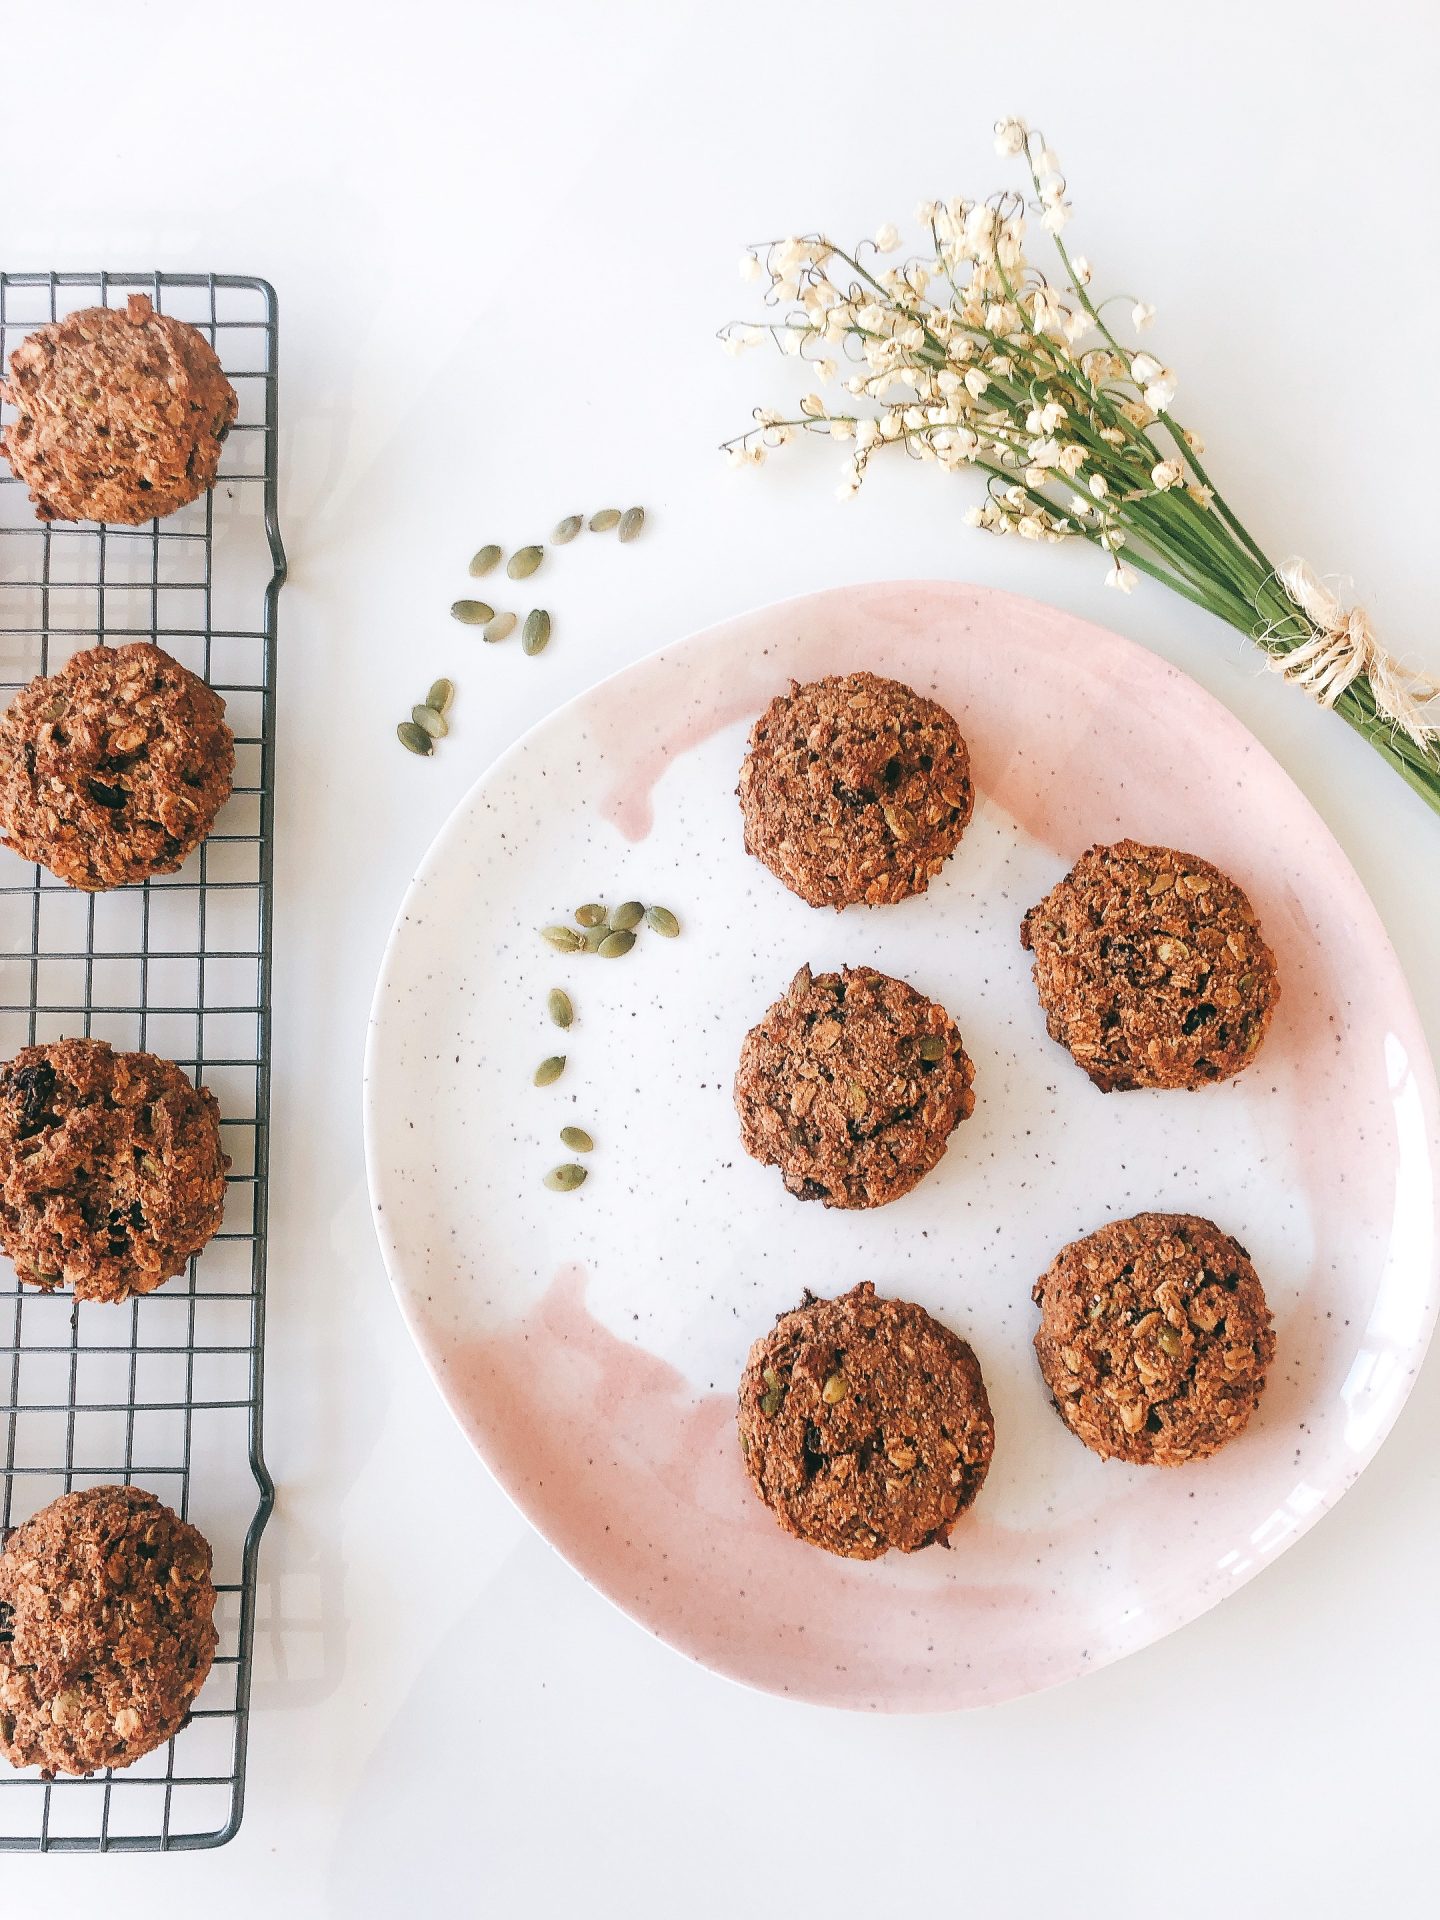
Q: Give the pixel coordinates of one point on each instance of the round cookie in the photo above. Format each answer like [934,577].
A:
[855,789]
[106,1631]
[1154,1338]
[852,1084]
[114,768]
[111,1170]
[121,414]
[1151,968]
[865,1424]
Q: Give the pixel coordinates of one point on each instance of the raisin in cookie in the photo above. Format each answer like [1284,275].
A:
[111,1170]
[114,768]
[121,414]
[1154,1338]
[855,789]
[1151,968]
[106,1630]
[852,1085]
[865,1424]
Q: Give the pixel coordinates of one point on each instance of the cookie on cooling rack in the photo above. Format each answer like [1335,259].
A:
[106,1630]
[111,1169]
[120,414]
[855,788]
[114,768]
[865,1424]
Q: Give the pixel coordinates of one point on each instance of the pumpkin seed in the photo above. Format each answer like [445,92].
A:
[834,1389]
[565,1179]
[603,521]
[563,939]
[500,628]
[441,696]
[595,937]
[535,634]
[485,561]
[631,521]
[1169,1341]
[590,915]
[433,723]
[661,920]
[472,613]
[577,1140]
[568,528]
[549,1071]
[627,916]
[559,1006]
[773,1401]
[616,944]
[414,739]
[932,1047]
[521,565]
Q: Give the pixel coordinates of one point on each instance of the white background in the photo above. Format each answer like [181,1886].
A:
[503,237]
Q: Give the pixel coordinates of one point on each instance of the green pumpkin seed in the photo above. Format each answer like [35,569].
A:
[577,1140]
[568,528]
[595,937]
[563,939]
[932,1047]
[627,916]
[559,1007]
[834,1389]
[485,561]
[631,521]
[773,1401]
[590,915]
[500,628]
[565,1179]
[603,521]
[1169,1341]
[521,565]
[661,920]
[432,722]
[616,944]
[770,1377]
[549,1071]
[414,739]
[472,613]
[441,696]
[535,635]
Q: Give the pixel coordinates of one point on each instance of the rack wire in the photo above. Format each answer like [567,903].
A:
[164,1391]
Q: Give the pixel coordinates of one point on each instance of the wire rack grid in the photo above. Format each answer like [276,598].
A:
[164,1391]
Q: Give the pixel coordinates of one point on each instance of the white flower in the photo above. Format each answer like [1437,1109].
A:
[736,457]
[887,238]
[1121,577]
[812,403]
[841,429]
[825,370]
[1045,453]
[1052,190]
[1030,527]
[1080,266]
[790,339]
[974,516]
[1160,394]
[913,418]
[926,211]
[1144,368]
[975,383]
[1048,161]
[1141,314]
[749,267]
[1099,485]
[733,345]
[756,455]
[1193,441]
[866,434]
[1202,496]
[1166,474]
[1055,219]
[1009,138]
[847,489]
[890,427]
[1072,458]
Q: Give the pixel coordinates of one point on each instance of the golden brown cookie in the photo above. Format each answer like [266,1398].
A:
[855,789]
[1151,968]
[114,768]
[1154,1338]
[111,1170]
[106,1632]
[865,1424]
[852,1084]
[121,414]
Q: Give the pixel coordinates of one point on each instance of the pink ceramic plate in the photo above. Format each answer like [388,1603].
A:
[590,1343]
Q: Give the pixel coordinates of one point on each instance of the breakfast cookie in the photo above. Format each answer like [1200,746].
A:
[865,1424]
[114,768]
[855,789]
[111,1170]
[121,414]
[106,1632]
[1154,1338]
[1151,968]
[852,1085]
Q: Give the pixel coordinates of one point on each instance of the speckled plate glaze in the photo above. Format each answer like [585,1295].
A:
[590,1343]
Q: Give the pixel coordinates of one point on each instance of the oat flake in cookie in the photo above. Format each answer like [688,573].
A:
[114,768]
[1151,968]
[852,1085]
[1154,1338]
[855,789]
[111,1170]
[865,1424]
[106,1630]
[121,414]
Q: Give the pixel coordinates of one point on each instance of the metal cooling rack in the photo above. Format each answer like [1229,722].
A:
[164,1391]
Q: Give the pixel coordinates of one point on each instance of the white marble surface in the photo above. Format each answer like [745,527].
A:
[502,239]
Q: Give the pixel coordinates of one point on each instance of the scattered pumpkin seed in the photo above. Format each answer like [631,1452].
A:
[433,722]
[441,696]
[834,1389]
[932,1047]
[631,521]
[568,528]
[595,937]
[577,1139]
[472,613]
[565,1179]
[485,561]
[616,944]
[592,914]
[661,920]
[521,565]
[549,1071]
[559,1006]
[627,916]
[770,1377]
[1170,1341]
[773,1401]
[414,739]
[535,634]
[563,939]
[603,521]
[500,628]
